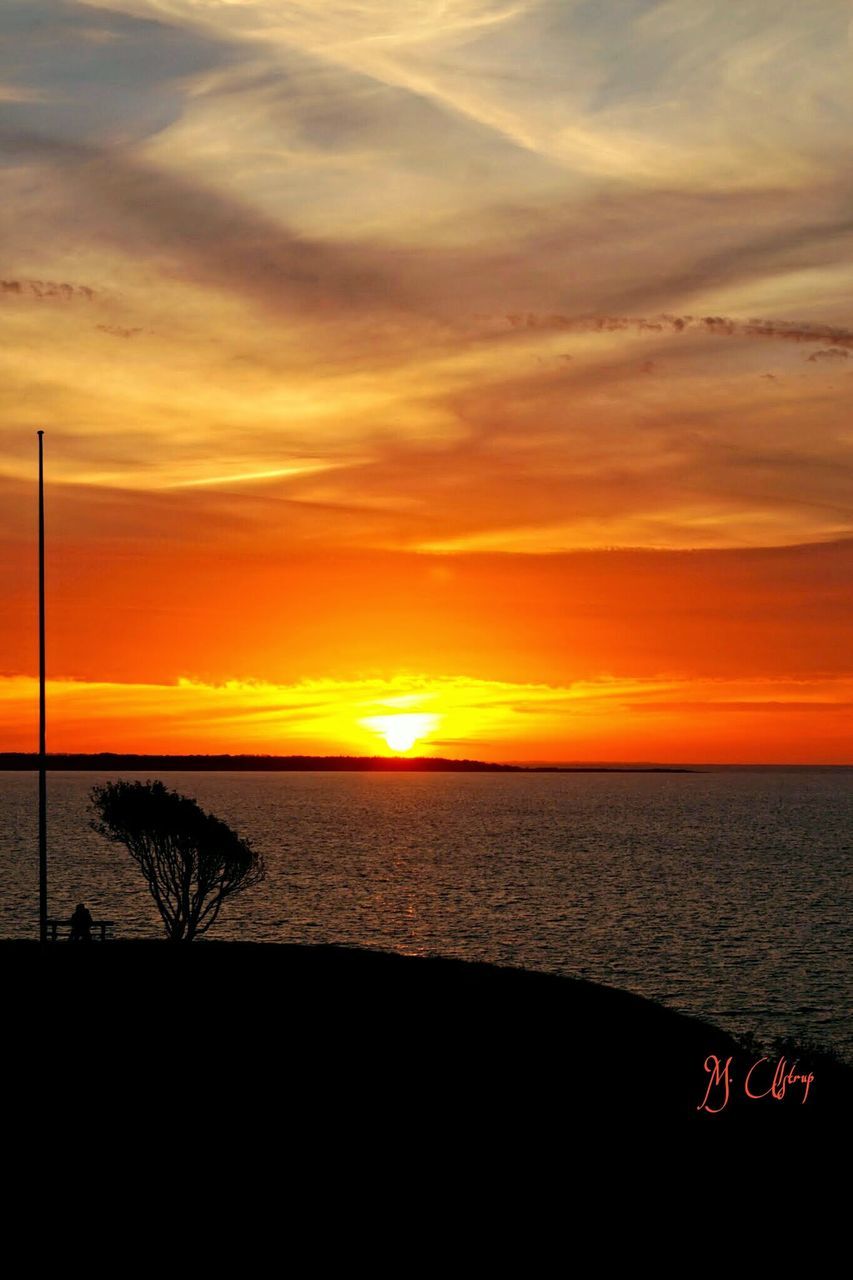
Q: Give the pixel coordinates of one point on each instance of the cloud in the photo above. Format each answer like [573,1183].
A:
[116,331]
[321,236]
[84,74]
[216,240]
[668,94]
[830,354]
[46,289]
[718,326]
[491,719]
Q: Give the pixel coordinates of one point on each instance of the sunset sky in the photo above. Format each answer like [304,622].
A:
[485,363]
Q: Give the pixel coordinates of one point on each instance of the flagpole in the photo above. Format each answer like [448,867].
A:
[42,715]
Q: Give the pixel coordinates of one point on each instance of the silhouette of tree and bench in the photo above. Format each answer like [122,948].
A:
[192,862]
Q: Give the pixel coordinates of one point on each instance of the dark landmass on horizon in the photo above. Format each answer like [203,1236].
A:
[109,760]
[311,1041]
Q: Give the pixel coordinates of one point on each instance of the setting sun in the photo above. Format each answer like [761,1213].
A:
[401,732]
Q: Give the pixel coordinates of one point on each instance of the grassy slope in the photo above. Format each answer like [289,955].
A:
[283,1045]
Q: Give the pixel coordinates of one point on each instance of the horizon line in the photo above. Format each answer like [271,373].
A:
[274,757]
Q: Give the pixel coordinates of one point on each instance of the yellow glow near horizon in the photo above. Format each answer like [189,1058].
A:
[609,719]
[401,732]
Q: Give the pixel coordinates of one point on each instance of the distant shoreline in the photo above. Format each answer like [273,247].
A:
[107,761]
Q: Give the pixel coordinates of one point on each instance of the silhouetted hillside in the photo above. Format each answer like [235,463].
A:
[289,1048]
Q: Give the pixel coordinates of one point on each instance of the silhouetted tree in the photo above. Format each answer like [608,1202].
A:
[191,860]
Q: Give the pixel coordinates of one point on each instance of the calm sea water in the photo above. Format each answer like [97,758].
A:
[723,894]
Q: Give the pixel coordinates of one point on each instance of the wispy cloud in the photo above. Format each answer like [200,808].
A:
[295,469]
[717,326]
[496,719]
[46,289]
[830,353]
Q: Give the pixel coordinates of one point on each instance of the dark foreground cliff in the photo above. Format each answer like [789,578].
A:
[280,1049]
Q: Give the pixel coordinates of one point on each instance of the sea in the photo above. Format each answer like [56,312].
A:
[723,893]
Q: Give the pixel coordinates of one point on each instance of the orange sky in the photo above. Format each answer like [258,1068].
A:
[482,364]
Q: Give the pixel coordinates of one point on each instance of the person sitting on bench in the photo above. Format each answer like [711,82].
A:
[81,925]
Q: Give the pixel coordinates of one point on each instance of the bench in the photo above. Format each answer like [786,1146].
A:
[54,925]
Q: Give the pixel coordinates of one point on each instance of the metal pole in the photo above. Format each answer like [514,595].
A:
[42,715]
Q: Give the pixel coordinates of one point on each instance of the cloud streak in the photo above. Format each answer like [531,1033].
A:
[46,289]
[497,720]
[718,326]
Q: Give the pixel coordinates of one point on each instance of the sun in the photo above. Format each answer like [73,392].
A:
[400,737]
[401,732]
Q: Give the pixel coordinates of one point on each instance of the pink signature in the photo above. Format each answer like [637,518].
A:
[763,1079]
